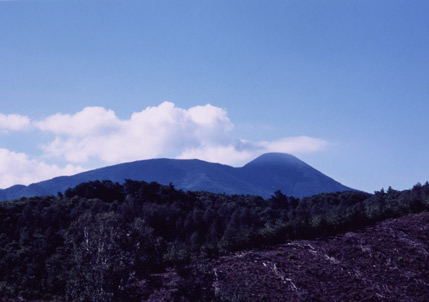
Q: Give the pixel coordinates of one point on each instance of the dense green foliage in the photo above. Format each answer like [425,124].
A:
[102,241]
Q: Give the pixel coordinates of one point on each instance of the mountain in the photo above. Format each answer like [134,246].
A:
[262,176]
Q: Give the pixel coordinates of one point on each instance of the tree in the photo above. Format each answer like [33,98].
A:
[109,256]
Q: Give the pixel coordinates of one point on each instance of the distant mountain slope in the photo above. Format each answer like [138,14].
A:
[273,171]
[262,176]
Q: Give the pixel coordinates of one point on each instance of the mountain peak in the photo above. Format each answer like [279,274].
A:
[276,159]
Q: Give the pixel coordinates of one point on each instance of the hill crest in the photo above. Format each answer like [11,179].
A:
[261,176]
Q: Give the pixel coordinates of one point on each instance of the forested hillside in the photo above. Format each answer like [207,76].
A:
[103,241]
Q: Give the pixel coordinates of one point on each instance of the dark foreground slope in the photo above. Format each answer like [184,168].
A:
[262,176]
[386,262]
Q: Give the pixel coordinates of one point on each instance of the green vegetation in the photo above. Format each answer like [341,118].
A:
[102,241]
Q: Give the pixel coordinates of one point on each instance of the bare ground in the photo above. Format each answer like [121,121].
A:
[385,262]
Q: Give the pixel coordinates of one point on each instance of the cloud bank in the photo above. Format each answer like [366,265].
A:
[202,132]
[18,168]
[97,134]
[13,122]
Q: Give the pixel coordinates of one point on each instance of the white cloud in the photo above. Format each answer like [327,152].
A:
[243,151]
[91,120]
[228,155]
[202,132]
[297,144]
[18,168]
[13,122]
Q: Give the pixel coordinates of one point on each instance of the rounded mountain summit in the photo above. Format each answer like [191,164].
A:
[285,172]
[262,176]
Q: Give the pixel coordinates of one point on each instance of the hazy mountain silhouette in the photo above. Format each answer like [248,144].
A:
[262,176]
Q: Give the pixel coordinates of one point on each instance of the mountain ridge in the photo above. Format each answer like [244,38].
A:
[261,176]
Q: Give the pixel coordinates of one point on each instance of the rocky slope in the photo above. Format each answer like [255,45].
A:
[385,262]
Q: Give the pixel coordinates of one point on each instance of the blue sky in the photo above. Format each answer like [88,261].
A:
[344,85]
